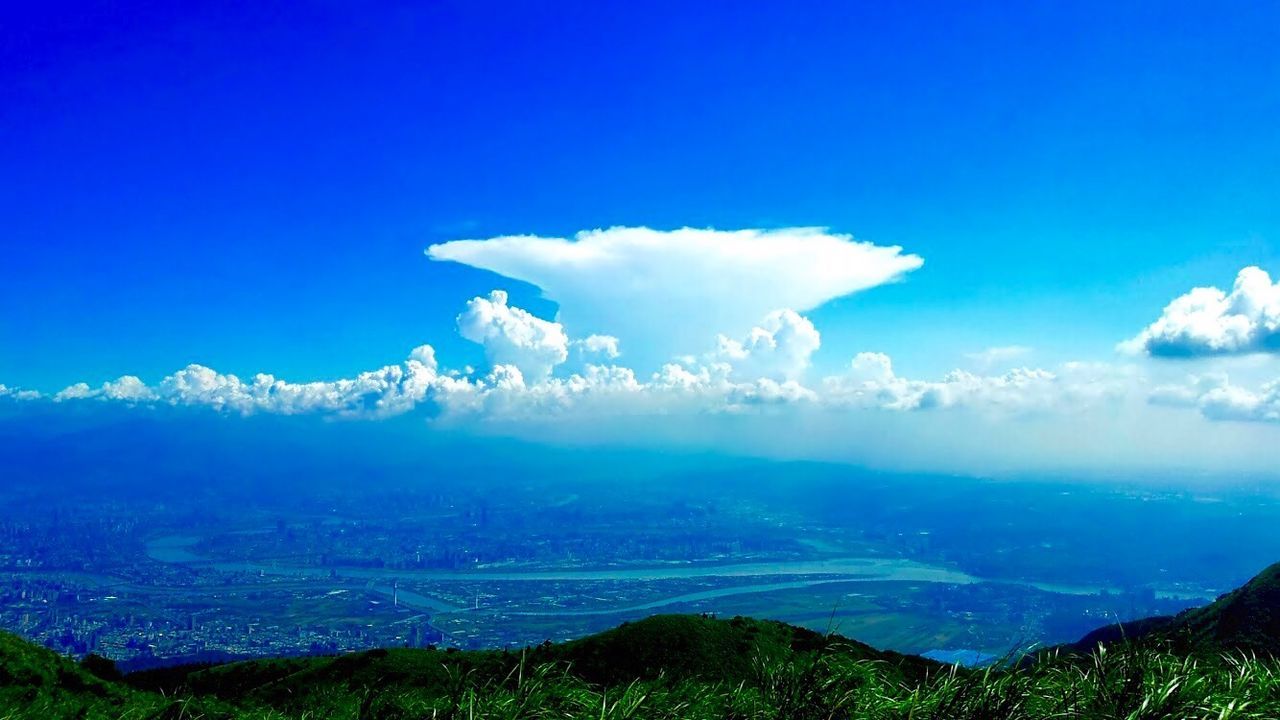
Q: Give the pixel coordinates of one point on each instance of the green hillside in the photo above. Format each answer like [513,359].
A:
[37,683]
[1245,620]
[677,666]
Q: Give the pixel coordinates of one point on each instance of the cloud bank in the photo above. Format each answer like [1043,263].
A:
[762,371]
[663,293]
[1208,321]
[766,367]
[1218,399]
[758,383]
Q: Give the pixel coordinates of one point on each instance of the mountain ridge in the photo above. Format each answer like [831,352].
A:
[1246,619]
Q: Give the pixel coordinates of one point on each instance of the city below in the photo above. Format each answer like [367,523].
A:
[211,575]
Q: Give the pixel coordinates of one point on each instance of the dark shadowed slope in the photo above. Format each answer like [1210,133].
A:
[663,651]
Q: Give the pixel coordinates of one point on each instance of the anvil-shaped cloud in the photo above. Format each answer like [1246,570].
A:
[663,293]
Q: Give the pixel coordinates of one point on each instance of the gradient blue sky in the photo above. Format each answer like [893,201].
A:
[251,187]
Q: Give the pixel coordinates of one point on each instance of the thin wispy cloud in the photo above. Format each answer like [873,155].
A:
[999,355]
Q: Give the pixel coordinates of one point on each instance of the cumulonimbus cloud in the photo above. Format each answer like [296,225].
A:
[1209,321]
[663,293]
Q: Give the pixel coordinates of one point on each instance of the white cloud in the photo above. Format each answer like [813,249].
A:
[767,391]
[755,384]
[1218,399]
[18,393]
[1209,321]
[663,293]
[872,383]
[391,390]
[78,391]
[28,395]
[128,388]
[199,385]
[604,345]
[1235,403]
[512,336]
[764,369]
[779,348]
[1187,394]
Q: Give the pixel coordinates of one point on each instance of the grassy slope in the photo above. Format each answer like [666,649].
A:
[1246,620]
[37,683]
[662,652]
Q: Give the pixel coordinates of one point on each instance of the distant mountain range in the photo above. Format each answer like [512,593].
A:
[692,666]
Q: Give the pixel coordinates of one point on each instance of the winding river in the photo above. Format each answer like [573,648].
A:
[175,549]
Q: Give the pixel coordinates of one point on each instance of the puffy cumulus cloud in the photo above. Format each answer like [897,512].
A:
[78,391]
[126,388]
[504,395]
[665,292]
[1209,321]
[599,345]
[778,349]
[515,337]
[528,386]
[1230,402]
[13,393]
[1218,399]
[390,390]
[689,386]
[871,382]
[750,392]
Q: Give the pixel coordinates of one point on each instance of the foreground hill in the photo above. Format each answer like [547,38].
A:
[696,667]
[38,683]
[662,649]
[672,659]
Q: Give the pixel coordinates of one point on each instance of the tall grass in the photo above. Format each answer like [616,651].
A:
[1124,683]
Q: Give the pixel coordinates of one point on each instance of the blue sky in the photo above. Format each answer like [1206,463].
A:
[252,188]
